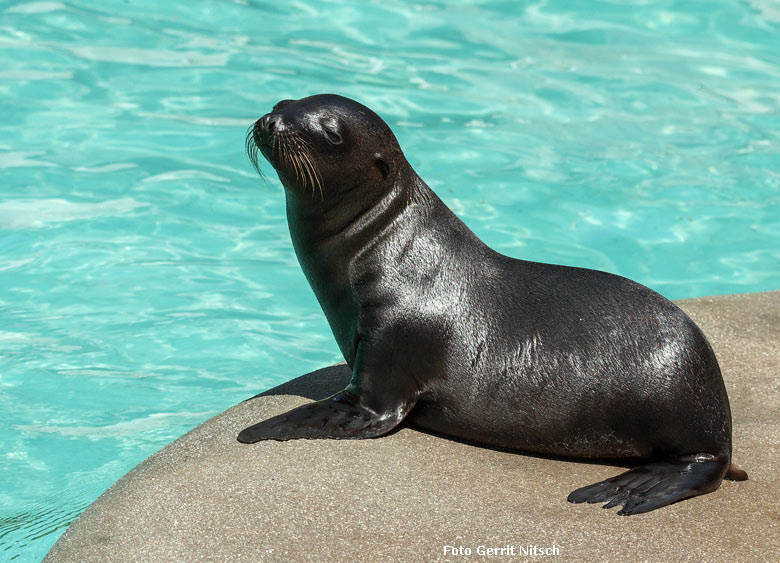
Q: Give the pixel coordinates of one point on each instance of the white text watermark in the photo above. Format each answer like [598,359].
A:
[509,550]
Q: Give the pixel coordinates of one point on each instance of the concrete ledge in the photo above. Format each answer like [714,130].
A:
[205,497]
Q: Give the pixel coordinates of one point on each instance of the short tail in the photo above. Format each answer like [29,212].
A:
[734,473]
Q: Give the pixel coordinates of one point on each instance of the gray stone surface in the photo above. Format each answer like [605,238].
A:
[403,497]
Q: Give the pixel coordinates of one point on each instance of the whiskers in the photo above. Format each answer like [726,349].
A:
[303,161]
[294,154]
[252,149]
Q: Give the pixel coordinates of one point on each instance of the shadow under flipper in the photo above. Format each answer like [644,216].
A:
[627,462]
[315,385]
[322,383]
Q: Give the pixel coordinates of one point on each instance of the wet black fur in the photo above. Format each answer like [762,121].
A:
[444,332]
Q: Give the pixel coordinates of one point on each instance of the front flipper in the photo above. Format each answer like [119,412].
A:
[378,398]
[657,484]
[340,416]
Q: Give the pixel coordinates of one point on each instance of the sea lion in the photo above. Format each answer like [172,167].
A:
[447,334]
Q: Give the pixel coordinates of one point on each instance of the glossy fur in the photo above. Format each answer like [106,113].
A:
[445,333]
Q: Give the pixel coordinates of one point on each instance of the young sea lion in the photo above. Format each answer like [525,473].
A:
[444,332]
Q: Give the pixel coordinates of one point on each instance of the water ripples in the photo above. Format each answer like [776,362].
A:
[147,280]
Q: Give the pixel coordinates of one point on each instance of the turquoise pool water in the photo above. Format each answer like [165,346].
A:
[146,277]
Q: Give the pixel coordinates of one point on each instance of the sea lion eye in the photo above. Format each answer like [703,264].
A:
[333,137]
[330,127]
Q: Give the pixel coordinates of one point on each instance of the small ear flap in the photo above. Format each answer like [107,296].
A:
[382,166]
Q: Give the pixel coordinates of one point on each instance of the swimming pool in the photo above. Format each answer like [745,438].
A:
[147,281]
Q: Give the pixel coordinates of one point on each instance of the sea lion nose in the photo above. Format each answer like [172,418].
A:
[267,125]
[271,122]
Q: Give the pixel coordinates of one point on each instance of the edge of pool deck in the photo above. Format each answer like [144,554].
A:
[405,496]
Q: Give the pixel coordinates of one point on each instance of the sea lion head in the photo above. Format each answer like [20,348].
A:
[324,146]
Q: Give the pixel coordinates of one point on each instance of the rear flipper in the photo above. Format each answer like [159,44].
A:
[654,485]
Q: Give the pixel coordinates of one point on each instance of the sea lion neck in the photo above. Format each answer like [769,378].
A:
[333,248]
[313,220]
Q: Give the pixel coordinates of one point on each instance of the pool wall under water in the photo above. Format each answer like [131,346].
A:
[147,280]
